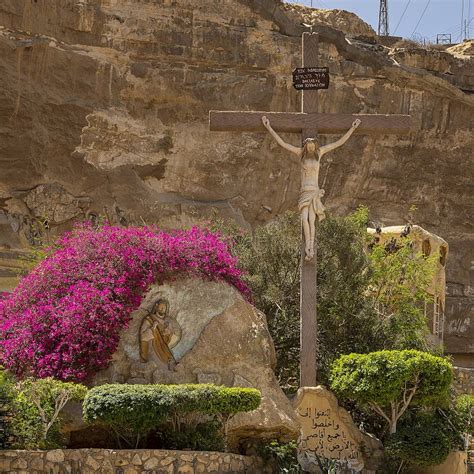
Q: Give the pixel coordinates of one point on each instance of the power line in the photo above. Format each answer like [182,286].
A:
[401,18]
[422,15]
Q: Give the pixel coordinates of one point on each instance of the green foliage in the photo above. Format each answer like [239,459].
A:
[389,381]
[346,319]
[37,408]
[381,377]
[282,455]
[464,414]
[7,395]
[367,301]
[424,440]
[205,436]
[271,259]
[397,284]
[133,411]
[26,426]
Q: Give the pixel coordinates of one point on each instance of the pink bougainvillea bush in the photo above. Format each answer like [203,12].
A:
[64,318]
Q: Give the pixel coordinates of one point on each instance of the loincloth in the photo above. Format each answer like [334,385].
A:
[311,197]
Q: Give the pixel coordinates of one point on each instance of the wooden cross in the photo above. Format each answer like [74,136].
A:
[309,124]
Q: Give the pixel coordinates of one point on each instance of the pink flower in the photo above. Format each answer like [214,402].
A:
[64,318]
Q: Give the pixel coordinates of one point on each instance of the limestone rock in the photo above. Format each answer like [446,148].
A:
[53,204]
[328,431]
[110,101]
[466,48]
[342,20]
[223,339]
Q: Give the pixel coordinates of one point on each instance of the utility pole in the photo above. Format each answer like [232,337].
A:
[383,19]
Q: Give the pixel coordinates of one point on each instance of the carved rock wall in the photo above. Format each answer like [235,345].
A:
[104,107]
[222,339]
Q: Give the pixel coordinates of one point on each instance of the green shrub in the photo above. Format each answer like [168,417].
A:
[206,436]
[388,382]
[282,455]
[26,426]
[367,301]
[424,439]
[37,408]
[7,395]
[133,411]
[464,414]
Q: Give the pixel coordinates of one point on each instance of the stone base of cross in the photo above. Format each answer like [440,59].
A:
[309,124]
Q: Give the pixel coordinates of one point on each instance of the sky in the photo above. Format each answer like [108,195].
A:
[440,16]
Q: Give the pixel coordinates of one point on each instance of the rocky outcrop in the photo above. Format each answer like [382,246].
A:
[214,336]
[347,22]
[463,50]
[107,101]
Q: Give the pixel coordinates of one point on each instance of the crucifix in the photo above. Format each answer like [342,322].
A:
[309,124]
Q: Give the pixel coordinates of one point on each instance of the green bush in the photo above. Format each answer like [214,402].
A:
[7,395]
[282,455]
[206,436]
[464,414]
[37,408]
[133,411]
[388,382]
[26,426]
[424,439]
[367,301]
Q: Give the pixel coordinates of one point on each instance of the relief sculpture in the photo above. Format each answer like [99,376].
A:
[159,333]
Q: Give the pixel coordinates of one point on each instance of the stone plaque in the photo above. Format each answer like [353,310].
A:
[308,78]
[327,431]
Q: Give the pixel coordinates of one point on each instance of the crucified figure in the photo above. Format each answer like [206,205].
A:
[310,205]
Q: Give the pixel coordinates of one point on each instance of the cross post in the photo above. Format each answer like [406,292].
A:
[308,276]
[309,124]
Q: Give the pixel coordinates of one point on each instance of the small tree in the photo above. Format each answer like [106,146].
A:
[271,260]
[50,396]
[387,382]
[396,289]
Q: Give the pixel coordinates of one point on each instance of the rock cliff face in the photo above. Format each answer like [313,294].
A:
[104,109]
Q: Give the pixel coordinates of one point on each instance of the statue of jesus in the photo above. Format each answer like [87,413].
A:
[310,205]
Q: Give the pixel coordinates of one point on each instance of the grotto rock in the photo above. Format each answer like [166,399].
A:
[208,334]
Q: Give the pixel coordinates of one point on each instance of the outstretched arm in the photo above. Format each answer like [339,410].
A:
[332,146]
[293,149]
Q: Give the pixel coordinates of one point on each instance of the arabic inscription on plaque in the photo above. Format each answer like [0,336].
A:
[325,430]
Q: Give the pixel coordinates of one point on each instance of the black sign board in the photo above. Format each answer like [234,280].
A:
[308,78]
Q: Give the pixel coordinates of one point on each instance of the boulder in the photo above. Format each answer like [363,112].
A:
[208,334]
[328,432]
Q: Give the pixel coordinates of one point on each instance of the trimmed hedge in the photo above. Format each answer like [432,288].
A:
[381,377]
[132,411]
[388,382]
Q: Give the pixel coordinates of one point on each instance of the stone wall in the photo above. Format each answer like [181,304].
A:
[464,380]
[131,461]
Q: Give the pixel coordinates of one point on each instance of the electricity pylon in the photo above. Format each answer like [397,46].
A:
[383,19]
